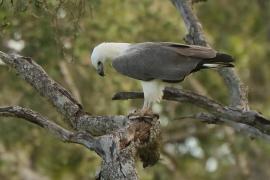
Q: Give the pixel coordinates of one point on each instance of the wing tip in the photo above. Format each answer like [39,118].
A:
[223,57]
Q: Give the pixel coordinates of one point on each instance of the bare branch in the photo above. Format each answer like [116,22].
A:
[246,129]
[250,122]
[36,118]
[238,92]
[37,77]
[179,95]
[65,103]
[98,144]
[203,117]
[58,131]
[118,137]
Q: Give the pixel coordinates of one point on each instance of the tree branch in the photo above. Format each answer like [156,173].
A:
[53,128]
[109,146]
[32,73]
[238,92]
[118,139]
[250,121]
[36,118]
[64,102]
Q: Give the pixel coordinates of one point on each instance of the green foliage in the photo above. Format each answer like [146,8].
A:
[65,31]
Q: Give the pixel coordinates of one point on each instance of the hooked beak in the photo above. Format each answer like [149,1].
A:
[100,69]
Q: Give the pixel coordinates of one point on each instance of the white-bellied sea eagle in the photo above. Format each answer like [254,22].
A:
[157,63]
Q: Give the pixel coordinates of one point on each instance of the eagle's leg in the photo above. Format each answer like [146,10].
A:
[146,111]
[153,92]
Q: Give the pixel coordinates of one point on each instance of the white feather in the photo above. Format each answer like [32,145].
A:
[211,65]
[107,51]
[153,92]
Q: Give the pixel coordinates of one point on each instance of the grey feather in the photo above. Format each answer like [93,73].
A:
[169,62]
[191,50]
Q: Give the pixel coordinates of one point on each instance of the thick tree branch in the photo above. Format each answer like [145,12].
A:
[238,92]
[116,133]
[65,103]
[237,118]
[248,130]
[32,73]
[36,118]
[58,131]
[119,138]
[109,147]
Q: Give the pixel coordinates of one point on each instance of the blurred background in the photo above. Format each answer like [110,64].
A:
[59,35]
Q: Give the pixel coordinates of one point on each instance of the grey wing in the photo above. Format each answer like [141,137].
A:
[148,61]
[190,50]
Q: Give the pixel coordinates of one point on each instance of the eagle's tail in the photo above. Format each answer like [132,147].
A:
[221,60]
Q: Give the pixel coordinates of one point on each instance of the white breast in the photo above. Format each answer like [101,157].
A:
[153,92]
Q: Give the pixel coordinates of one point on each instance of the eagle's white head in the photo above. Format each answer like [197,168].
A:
[104,52]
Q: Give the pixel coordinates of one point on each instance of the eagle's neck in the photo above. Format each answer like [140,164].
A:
[112,50]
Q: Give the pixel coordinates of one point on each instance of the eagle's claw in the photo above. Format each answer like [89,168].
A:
[142,114]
